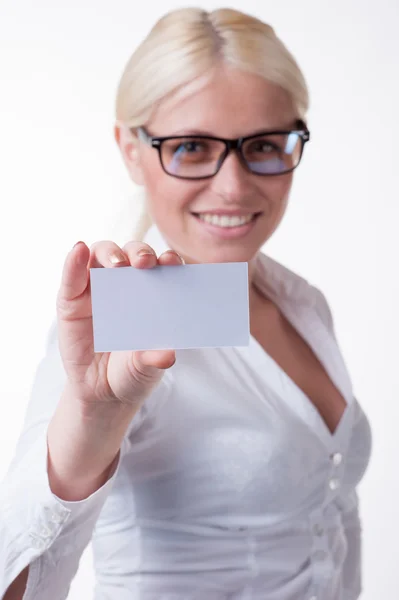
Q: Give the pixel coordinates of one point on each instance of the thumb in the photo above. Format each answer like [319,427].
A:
[134,374]
[153,360]
[75,275]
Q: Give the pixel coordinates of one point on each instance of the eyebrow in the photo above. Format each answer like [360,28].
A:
[200,132]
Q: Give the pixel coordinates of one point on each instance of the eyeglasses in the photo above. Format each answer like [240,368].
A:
[201,156]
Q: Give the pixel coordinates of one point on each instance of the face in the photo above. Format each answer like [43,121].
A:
[228,104]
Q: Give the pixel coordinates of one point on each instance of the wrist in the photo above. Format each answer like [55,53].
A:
[83,446]
[71,487]
[106,415]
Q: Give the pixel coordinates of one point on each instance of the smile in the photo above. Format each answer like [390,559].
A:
[226,221]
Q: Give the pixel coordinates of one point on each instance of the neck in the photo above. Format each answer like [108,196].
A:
[253,294]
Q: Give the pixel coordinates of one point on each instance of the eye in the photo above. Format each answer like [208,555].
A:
[264,146]
[189,146]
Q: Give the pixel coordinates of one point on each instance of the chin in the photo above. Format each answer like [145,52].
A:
[224,255]
[210,249]
[208,243]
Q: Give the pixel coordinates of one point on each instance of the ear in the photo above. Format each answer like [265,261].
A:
[129,147]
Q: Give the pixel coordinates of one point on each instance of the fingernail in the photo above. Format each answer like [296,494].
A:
[77,244]
[117,257]
[183,262]
[145,252]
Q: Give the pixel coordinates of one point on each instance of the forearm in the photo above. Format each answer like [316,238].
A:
[83,448]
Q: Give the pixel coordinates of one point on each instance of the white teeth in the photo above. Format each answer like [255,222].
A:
[225,220]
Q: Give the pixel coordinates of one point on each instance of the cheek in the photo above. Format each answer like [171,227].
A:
[167,197]
[278,190]
[159,188]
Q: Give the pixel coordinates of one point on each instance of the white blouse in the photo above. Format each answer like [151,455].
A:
[229,484]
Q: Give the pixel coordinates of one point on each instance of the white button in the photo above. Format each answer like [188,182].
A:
[318,530]
[57,518]
[337,458]
[56,514]
[45,533]
[38,543]
[59,509]
[334,484]
[320,555]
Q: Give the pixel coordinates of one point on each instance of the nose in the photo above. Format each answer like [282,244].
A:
[232,179]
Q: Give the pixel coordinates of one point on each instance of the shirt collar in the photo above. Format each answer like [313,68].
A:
[280,282]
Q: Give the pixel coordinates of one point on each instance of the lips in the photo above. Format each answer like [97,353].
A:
[221,226]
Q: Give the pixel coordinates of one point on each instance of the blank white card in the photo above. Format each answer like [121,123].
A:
[170,307]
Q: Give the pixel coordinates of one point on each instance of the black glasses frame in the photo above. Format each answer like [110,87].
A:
[230,144]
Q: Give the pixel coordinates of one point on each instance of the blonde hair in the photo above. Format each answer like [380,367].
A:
[186,44]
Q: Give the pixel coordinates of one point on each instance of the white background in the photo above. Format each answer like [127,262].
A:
[61,179]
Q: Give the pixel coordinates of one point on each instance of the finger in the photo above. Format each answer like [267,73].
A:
[74,278]
[157,359]
[170,257]
[140,255]
[107,254]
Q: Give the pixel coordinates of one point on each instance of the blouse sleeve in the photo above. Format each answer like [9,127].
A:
[38,529]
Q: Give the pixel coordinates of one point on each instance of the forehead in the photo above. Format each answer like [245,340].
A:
[227,103]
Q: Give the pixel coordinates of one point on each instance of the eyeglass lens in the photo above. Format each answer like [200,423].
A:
[269,154]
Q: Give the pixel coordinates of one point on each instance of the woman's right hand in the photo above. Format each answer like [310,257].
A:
[109,377]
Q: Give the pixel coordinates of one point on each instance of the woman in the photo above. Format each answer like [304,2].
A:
[216,473]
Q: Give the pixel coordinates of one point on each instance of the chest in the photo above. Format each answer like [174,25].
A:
[231,440]
[282,342]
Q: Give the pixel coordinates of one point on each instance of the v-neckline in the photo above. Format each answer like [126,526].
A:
[297,400]
[324,347]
